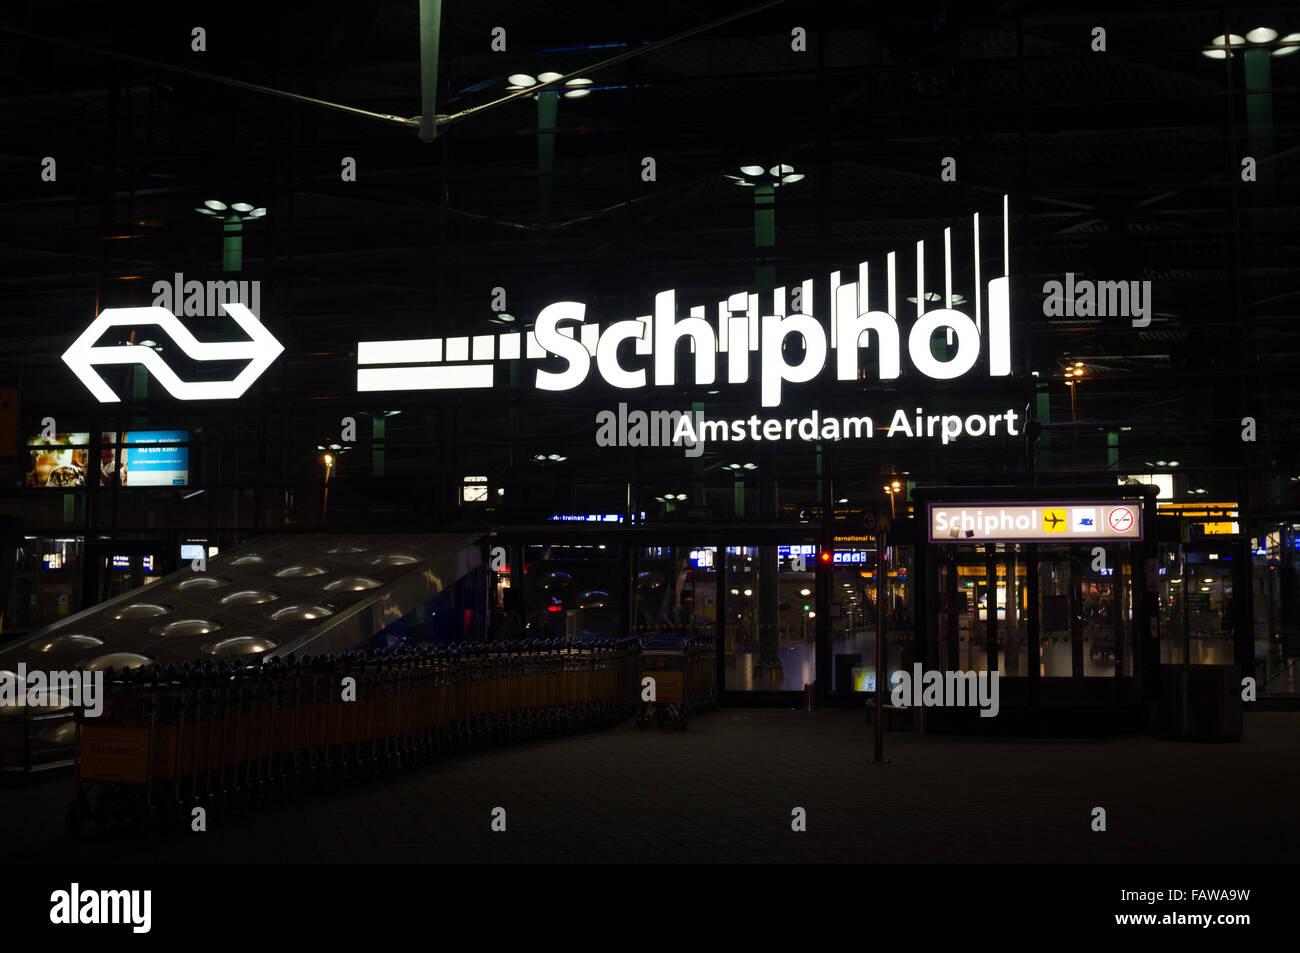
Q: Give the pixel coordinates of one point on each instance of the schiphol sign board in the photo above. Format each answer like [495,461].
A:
[640,354]
[1052,521]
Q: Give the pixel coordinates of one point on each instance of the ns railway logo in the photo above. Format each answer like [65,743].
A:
[641,352]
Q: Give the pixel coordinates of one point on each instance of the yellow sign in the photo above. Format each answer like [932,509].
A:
[1055,521]
[1199,509]
[981,573]
[1220,529]
[114,753]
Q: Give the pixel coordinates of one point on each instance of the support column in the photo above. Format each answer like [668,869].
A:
[232,243]
[1033,646]
[720,612]
[952,591]
[430,30]
[1243,608]
[1076,619]
[377,428]
[823,660]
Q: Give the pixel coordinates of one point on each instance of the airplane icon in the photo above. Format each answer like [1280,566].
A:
[1054,521]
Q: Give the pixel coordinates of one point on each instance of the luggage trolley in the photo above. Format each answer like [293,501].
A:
[663,658]
[122,753]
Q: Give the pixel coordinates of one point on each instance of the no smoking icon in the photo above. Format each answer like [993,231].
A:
[1120,519]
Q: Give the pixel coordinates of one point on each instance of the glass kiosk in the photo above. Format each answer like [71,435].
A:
[1054,588]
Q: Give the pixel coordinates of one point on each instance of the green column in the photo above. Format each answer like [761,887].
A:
[765,237]
[546,110]
[232,245]
[1044,414]
[769,658]
[817,462]
[430,29]
[1259,107]
[377,426]
[697,463]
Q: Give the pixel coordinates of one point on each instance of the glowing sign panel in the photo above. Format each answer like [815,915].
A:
[640,352]
[260,350]
[1055,522]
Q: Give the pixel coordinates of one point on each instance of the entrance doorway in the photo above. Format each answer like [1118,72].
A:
[1082,604]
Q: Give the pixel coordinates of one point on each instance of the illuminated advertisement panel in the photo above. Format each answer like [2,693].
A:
[147,458]
[156,458]
[62,460]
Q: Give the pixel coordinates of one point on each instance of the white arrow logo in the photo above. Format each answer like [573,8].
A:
[260,351]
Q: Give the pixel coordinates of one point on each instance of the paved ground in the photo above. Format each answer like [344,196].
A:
[724,791]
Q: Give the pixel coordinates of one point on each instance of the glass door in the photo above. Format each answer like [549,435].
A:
[769,629]
[1085,611]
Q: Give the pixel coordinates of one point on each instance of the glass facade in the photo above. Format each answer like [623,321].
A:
[462,241]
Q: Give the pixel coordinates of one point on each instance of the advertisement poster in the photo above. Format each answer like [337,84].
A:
[61,460]
[146,458]
[153,458]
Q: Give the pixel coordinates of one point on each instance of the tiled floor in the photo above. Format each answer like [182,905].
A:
[724,791]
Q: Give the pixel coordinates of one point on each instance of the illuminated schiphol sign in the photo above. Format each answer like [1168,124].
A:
[1047,522]
[722,349]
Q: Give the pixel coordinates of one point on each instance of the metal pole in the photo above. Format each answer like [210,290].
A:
[881,563]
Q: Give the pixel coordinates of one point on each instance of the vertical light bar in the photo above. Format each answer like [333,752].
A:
[979,289]
[806,302]
[696,312]
[835,309]
[723,337]
[645,343]
[778,301]
[947,268]
[893,290]
[999,334]
[947,278]
[920,278]
[738,356]
[1006,235]
[864,303]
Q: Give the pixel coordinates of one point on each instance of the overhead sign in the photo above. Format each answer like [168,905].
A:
[1064,521]
[260,350]
[641,352]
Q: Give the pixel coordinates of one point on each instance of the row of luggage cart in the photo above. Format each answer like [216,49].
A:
[684,669]
[226,736]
